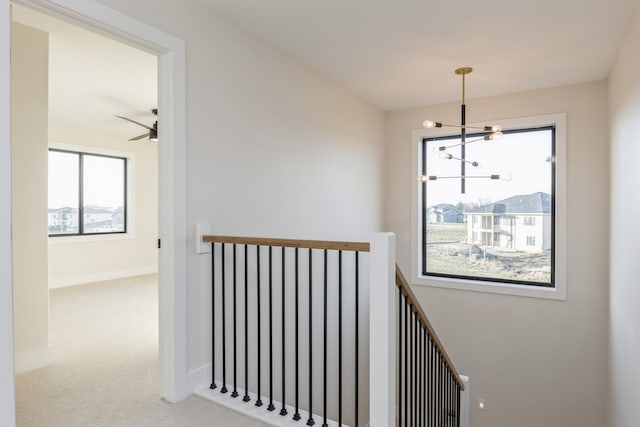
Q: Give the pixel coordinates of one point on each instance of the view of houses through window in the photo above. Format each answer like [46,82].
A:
[87,193]
[499,229]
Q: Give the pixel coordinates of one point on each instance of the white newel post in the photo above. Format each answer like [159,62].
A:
[382,339]
[465,402]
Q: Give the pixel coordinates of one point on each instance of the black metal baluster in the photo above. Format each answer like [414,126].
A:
[224,328]
[415,369]
[324,346]
[213,316]
[297,416]
[447,383]
[452,400]
[339,338]
[434,385]
[357,331]
[400,344]
[407,307]
[283,411]
[411,412]
[310,421]
[270,407]
[458,397]
[440,387]
[235,332]
[246,397]
[448,393]
[424,378]
[430,380]
[419,378]
[445,390]
[259,333]
[451,411]
[437,385]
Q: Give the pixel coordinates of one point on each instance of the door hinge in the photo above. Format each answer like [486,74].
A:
[159,243]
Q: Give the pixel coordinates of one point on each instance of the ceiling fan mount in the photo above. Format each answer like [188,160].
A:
[152,133]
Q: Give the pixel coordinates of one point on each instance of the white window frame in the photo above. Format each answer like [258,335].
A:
[559,292]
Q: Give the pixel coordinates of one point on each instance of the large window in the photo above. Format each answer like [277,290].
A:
[501,228]
[87,193]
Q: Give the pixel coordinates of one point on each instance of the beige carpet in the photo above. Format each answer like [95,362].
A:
[106,370]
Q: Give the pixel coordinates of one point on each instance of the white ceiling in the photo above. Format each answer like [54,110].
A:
[402,53]
[394,53]
[93,78]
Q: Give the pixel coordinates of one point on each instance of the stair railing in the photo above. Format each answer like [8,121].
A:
[429,387]
[289,330]
[286,326]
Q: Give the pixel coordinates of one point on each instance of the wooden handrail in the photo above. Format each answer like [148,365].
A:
[406,290]
[289,243]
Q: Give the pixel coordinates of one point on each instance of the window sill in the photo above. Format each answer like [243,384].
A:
[87,238]
[557,293]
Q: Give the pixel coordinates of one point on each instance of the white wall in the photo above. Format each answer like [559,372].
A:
[624,110]
[29,173]
[273,149]
[536,362]
[77,260]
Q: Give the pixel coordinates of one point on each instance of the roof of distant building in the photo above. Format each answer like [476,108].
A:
[445,207]
[87,210]
[539,203]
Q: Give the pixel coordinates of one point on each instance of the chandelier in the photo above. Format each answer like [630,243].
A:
[489,133]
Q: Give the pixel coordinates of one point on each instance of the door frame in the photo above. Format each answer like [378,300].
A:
[172,259]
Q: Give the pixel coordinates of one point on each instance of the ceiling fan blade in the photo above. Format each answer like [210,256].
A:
[138,138]
[133,121]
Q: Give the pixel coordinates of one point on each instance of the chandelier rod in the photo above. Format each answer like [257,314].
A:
[463,71]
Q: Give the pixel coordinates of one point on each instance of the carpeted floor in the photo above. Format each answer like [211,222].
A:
[106,370]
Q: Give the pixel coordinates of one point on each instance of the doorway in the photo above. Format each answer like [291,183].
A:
[172,221]
[102,220]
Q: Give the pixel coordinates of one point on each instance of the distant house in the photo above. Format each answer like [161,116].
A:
[63,220]
[445,213]
[519,223]
[96,219]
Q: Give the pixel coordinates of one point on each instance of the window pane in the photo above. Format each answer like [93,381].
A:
[499,229]
[104,194]
[63,192]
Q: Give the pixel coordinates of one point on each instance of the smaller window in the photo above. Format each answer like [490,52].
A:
[87,193]
[531,240]
[529,220]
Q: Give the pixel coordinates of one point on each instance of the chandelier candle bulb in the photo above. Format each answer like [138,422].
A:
[429,124]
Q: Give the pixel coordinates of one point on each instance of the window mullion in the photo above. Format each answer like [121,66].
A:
[81,193]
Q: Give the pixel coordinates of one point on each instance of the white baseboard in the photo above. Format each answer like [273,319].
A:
[33,359]
[200,378]
[81,279]
[260,413]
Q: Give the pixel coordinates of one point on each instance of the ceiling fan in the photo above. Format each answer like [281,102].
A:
[153,130]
